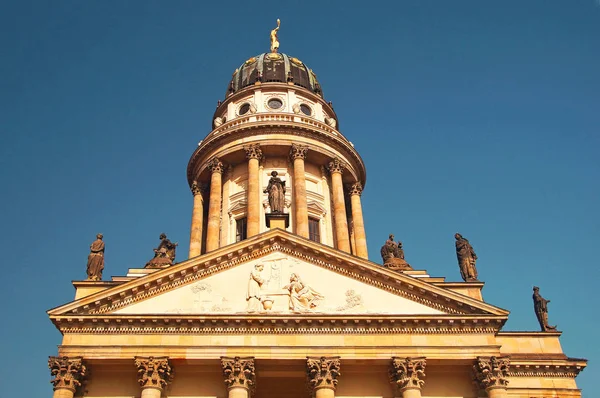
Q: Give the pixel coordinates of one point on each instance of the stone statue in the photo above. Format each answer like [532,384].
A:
[302,297]
[274,38]
[540,305]
[276,191]
[466,259]
[393,255]
[164,254]
[95,263]
[255,283]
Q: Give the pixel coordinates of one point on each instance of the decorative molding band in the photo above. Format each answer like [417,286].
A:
[544,370]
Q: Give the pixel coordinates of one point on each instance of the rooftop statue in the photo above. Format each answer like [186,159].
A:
[95,263]
[392,255]
[540,305]
[466,259]
[164,254]
[276,192]
[274,41]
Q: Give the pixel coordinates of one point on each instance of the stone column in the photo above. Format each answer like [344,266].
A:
[298,154]
[491,375]
[240,377]
[360,237]
[154,374]
[253,154]
[336,168]
[214,205]
[69,373]
[406,374]
[322,373]
[197,220]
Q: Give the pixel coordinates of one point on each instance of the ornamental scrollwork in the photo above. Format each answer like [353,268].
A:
[491,372]
[239,372]
[322,372]
[407,372]
[153,372]
[68,372]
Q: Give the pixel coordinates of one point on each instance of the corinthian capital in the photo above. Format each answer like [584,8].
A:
[407,372]
[197,188]
[491,372]
[215,165]
[253,151]
[153,372]
[322,372]
[68,372]
[355,189]
[336,166]
[298,151]
[239,372]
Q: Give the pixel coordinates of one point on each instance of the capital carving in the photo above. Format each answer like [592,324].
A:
[153,372]
[197,188]
[336,166]
[68,372]
[491,372]
[298,151]
[239,372]
[355,189]
[253,151]
[322,372]
[407,372]
[215,165]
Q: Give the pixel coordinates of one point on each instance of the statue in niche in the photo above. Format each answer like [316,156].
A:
[466,259]
[255,283]
[540,305]
[164,254]
[276,193]
[95,263]
[302,297]
[392,255]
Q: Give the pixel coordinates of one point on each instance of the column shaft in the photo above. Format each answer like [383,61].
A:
[411,393]
[339,212]
[498,392]
[238,392]
[325,393]
[214,206]
[151,393]
[360,237]
[253,198]
[300,202]
[197,222]
[63,393]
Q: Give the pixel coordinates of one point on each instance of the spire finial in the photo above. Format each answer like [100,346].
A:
[274,41]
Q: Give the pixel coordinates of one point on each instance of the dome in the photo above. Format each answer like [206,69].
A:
[274,67]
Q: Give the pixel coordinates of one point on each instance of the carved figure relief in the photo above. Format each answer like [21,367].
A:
[353,300]
[95,263]
[276,193]
[164,254]
[466,259]
[302,297]
[540,306]
[255,282]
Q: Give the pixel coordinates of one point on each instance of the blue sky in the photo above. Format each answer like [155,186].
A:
[480,117]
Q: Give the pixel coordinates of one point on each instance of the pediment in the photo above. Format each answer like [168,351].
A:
[335,284]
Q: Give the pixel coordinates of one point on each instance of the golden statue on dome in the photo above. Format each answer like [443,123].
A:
[274,41]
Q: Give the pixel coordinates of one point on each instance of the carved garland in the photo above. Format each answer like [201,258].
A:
[322,372]
[407,372]
[153,372]
[239,372]
[68,372]
[491,372]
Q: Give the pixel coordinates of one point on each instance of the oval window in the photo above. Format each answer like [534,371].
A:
[275,103]
[244,109]
[306,109]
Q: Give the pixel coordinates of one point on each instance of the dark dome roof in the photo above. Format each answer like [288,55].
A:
[274,67]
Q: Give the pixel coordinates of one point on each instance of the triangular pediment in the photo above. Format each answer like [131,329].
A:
[332,283]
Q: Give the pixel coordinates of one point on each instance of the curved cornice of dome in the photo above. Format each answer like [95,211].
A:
[296,131]
[238,95]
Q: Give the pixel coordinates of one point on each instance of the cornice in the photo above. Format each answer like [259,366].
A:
[546,368]
[236,324]
[189,271]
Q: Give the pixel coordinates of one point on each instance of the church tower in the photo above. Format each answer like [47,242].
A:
[275,118]
[278,298]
